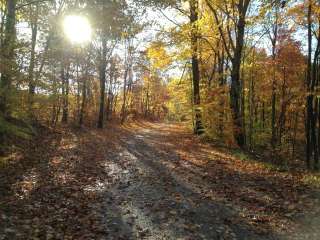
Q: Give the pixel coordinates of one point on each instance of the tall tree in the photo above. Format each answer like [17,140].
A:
[7,56]
[234,50]
[34,15]
[194,17]
[102,77]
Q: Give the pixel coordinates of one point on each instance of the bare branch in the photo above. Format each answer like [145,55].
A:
[30,3]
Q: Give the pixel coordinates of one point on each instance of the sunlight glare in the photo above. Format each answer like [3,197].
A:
[77,29]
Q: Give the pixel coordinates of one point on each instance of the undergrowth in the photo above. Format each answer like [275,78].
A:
[13,130]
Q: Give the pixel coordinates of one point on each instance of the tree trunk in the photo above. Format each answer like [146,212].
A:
[251,103]
[84,99]
[283,109]
[314,136]
[194,5]
[32,84]
[274,41]
[235,91]
[110,91]
[65,79]
[123,109]
[102,76]
[310,96]
[221,84]
[7,57]
[242,101]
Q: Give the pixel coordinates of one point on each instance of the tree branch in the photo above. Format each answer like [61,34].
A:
[30,3]
[220,29]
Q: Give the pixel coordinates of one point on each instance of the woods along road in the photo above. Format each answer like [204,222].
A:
[148,181]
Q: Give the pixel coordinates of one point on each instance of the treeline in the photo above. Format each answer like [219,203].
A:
[46,78]
[242,72]
[254,72]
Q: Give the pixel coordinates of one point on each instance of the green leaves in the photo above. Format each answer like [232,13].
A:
[19,129]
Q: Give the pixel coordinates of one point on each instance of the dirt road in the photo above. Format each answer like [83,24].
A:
[149,181]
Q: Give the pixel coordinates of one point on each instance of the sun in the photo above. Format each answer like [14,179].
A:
[77,29]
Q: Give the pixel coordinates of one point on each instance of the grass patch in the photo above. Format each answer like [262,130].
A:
[12,133]
[4,161]
[312,179]
[245,156]
[16,129]
[242,155]
[274,167]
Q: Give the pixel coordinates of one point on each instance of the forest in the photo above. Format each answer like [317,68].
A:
[159,119]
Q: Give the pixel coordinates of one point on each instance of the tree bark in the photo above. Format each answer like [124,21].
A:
[123,109]
[274,41]
[7,57]
[65,82]
[32,84]
[102,76]
[84,99]
[251,102]
[309,84]
[235,91]
[194,5]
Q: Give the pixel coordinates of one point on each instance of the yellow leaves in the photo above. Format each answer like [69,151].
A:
[263,11]
[298,12]
[158,56]
[179,104]
[124,35]
[2,4]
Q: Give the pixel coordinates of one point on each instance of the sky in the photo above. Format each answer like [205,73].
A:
[163,20]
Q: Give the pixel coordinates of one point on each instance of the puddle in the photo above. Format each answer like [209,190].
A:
[139,136]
